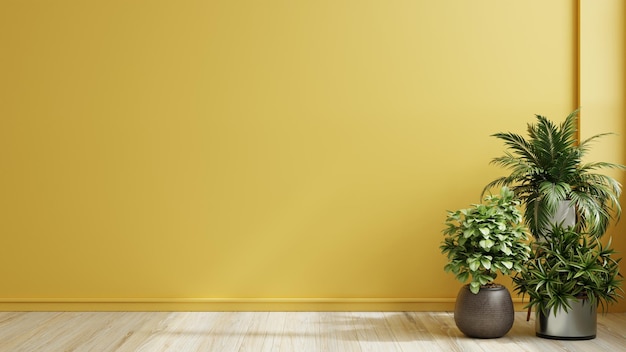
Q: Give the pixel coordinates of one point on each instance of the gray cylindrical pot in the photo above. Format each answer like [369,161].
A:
[578,323]
[488,314]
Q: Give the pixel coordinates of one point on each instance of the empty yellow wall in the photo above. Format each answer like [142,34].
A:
[603,91]
[279,153]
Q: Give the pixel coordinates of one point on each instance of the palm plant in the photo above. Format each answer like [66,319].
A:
[547,169]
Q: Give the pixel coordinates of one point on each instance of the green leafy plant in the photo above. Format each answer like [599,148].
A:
[547,168]
[485,239]
[569,266]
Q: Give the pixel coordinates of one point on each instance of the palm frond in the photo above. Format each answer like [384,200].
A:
[518,145]
[584,145]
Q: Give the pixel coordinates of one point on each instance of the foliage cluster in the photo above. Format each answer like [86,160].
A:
[570,266]
[485,239]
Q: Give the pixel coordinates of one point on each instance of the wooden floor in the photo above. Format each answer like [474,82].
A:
[277,331]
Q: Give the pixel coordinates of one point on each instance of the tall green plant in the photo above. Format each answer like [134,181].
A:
[547,168]
[485,239]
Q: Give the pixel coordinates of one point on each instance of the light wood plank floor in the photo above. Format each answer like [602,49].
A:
[277,331]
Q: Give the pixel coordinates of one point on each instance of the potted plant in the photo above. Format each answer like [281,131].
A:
[566,280]
[549,176]
[480,242]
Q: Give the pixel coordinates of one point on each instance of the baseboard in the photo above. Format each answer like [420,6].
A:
[233,304]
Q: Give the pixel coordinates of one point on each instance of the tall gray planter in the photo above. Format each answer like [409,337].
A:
[565,215]
[578,323]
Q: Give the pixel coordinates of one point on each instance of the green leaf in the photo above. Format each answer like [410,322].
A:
[449,267]
[486,244]
[484,279]
[474,265]
[462,277]
[474,287]
[507,264]
[486,263]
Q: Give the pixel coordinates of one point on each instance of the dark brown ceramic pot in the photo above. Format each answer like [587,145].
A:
[487,314]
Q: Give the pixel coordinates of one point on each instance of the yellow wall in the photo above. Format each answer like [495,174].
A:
[603,90]
[259,155]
